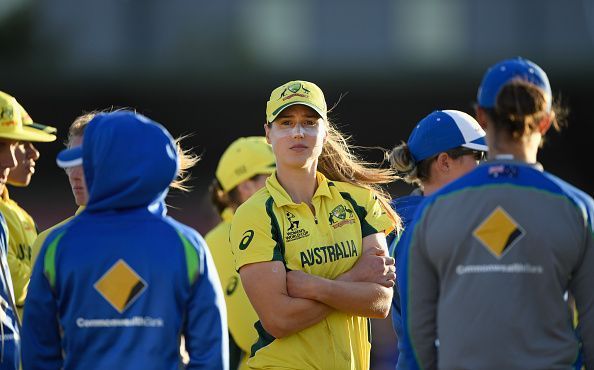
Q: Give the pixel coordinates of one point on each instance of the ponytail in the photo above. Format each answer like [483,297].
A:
[520,107]
[405,166]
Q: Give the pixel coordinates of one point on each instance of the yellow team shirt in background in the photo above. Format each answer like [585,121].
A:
[36,248]
[271,227]
[21,234]
[240,313]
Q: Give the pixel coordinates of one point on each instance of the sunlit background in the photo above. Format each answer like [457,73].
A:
[206,68]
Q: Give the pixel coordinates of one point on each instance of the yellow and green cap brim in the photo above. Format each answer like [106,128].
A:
[38,126]
[28,122]
[26,133]
[272,116]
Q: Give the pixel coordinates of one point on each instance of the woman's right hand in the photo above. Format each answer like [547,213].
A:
[374,266]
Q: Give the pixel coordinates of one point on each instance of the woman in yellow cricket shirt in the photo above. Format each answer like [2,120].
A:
[22,229]
[310,246]
[242,170]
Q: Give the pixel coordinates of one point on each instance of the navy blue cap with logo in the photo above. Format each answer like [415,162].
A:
[506,71]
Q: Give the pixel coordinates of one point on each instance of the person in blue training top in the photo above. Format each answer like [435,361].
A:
[442,147]
[142,279]
[492,255]
[439,150]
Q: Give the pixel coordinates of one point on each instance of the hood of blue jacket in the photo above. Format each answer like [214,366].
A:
[129,161]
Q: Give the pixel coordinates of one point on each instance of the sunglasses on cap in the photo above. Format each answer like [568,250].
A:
[478,155]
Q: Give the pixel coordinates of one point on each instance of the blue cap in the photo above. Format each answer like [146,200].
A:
[503,72]
[71,157]
[444,130]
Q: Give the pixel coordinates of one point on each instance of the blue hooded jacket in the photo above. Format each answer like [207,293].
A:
[118,285]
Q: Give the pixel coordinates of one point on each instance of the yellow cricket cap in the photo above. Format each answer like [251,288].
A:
[243,159]
[296,92]
[11,123]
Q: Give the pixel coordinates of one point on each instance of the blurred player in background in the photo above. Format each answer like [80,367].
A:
[143,281]
[493,254]
[242,170]
[12,131]
[76,179]
[76,176]
[307,243]
[442,147]
[21,226]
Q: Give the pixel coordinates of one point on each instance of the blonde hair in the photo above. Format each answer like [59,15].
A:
[337,162]
[78,126]
[187,159]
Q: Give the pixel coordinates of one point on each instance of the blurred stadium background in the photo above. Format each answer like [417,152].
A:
[206,68]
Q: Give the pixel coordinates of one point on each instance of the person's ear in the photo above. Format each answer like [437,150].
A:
[545,124]
[267,132]
[245,190]
[443,162]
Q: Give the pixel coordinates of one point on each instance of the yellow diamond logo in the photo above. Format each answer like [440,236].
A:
[499,232]
[120,286]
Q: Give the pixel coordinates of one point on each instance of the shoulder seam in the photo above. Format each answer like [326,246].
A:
[49,260]
[193,265]
[278,253]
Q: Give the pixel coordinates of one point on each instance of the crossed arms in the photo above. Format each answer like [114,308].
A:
[276,295]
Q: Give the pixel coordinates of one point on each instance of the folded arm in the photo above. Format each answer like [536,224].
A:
[365,290]
[280,314]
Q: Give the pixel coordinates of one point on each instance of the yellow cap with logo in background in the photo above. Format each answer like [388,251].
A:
[296,92]
[243,159]
[11,123]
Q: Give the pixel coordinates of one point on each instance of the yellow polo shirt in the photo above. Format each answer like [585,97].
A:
[21,234]
[240,313]
[271,227]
